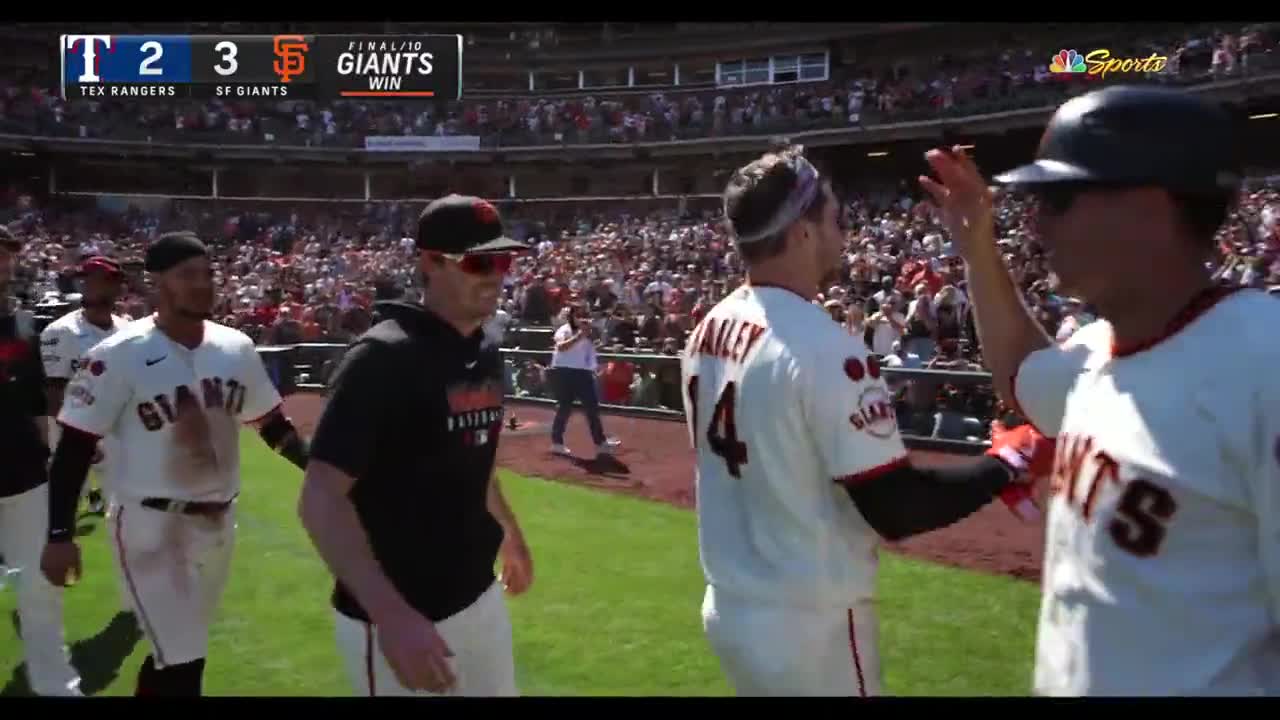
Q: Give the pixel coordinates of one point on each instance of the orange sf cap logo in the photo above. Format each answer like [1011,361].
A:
[291,58]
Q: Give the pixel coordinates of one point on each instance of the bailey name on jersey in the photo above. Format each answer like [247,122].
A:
[731,339]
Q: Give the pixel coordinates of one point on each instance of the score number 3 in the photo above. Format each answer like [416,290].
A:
[228,50]
[722,432]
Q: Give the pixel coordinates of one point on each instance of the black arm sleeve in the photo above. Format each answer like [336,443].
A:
[346,434]
[279,433]
[34,400]
[70,466]
[910,500]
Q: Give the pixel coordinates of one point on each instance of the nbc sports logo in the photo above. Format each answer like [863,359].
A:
[1067,61]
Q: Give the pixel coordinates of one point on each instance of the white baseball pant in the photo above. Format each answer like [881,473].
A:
[24,527]
[775,650]
[174,568]
[479,636]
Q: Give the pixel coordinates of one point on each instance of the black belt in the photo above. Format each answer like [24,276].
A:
[186,507]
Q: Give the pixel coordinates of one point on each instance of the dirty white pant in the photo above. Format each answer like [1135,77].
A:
[479,636]
[173,569]
[774,650]
[24,525]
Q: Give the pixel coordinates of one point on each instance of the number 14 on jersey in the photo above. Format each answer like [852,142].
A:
[722,431]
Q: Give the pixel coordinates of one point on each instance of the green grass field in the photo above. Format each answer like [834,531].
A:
[614,609]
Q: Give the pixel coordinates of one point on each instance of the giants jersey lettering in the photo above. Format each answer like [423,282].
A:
[64,347]
[1162,563]
[782,404]
[176,412]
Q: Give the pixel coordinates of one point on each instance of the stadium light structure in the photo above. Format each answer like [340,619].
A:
[878,153]
[1264,116]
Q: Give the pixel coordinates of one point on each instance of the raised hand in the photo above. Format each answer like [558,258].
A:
[963,197]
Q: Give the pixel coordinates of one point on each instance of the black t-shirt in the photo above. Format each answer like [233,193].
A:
[623,332]
[414,414]
[22,399]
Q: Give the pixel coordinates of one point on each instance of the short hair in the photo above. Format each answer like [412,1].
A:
[754,195]
[1203,214]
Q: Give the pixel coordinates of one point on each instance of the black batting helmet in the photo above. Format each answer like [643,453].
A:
[1142,135]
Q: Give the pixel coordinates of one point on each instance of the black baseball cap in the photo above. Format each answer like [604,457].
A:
[463,224]
[1136,135]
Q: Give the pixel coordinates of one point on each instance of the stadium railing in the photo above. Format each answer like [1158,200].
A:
[306,367]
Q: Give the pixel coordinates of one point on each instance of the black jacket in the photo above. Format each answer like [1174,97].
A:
[414,414]
[22,400]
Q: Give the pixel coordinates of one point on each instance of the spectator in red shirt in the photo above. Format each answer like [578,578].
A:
[931,279]
[616,379]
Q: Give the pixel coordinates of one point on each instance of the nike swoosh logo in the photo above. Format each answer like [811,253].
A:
[471,364]
[153,362]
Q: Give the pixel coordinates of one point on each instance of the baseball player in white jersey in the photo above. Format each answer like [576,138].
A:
[65,343]
[800,468]
[173,389]
[1162,559]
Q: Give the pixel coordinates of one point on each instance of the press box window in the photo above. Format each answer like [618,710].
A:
[814,67]
[786,69]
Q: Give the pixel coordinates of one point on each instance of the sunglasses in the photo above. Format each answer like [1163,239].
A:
[480,264]
[1057,198]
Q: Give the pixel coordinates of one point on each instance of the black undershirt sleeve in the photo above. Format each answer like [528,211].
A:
[910,500]
[346,434]
[70,467]
[279,434]
[34,400]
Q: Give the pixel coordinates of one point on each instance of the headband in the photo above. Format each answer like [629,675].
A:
[801,195]
[173,248]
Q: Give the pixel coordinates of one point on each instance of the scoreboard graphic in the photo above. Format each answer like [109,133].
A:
[300,67]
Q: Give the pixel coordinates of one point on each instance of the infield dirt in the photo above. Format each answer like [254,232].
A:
[656,462]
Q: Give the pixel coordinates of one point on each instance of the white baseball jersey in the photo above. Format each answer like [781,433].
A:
[782,406]
[64,345]
[136,383]
[1162,564]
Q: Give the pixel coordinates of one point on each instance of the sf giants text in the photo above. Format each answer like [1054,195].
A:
[1084,475]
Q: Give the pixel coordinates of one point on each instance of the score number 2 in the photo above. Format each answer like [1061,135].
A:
[157,52]
[722,432]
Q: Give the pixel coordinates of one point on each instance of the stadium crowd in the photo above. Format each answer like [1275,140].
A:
[644,279]
[852,96]
[296,275]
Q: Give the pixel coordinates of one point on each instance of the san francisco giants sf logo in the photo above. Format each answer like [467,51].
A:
[291,58]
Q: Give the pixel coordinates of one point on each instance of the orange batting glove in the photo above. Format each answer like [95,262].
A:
[1030,454]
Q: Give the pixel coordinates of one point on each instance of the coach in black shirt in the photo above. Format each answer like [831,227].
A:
[400,495]
[24,490]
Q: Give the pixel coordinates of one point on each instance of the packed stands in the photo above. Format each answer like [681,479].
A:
[645,269]
[850,95]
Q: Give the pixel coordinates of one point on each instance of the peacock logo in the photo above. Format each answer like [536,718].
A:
[1067,61]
